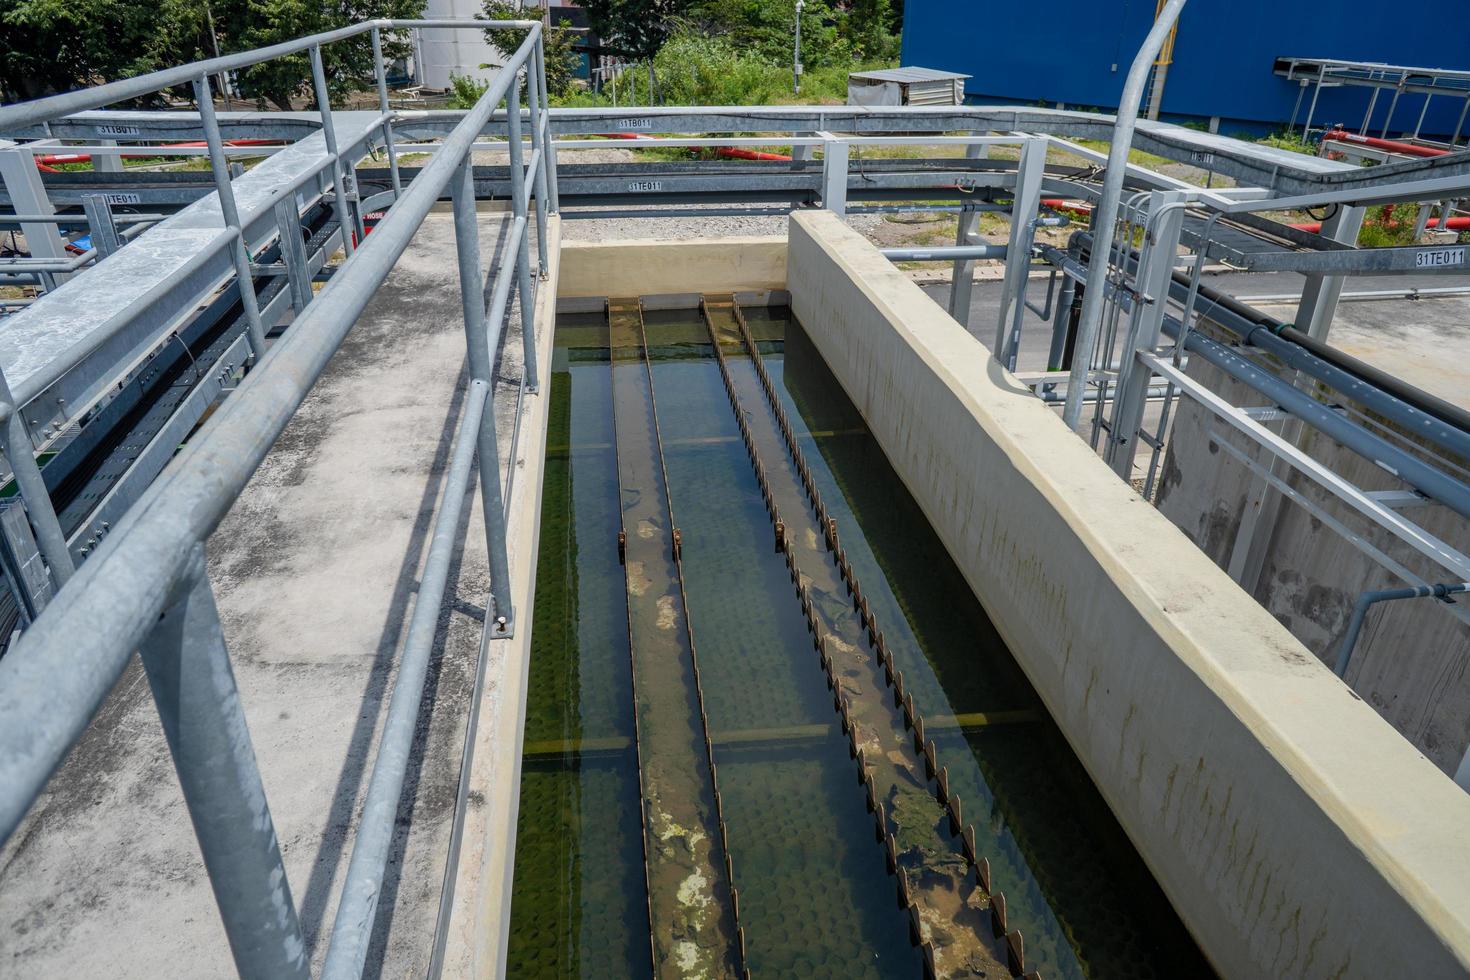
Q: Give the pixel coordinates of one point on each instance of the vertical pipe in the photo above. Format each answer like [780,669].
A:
[477,340]
[1155,269]
[382,75]
[244,280]
[523,249]
[962,279]
[188,668]
[329,133]
[1025,200]
[538,142]
[548,158]
[1107,208]
[1061,324]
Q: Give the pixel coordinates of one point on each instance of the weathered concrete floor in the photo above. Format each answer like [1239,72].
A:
[315,571]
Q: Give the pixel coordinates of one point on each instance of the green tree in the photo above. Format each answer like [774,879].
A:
[767,29]
[54,46]
[348,64]
[636,28]
[57,45]
[558,43]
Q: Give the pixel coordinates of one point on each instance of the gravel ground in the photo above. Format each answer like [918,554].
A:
[623,229]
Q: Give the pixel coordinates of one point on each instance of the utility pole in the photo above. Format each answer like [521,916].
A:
[796,57]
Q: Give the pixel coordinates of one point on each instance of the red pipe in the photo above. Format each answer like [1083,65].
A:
[1059,204]
[51,158]
[740,153]
[1393,146]
[1455,224]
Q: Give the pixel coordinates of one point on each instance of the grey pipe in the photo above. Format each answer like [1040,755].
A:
[1107,207]
[1431,482]
[1415,420]
[1360,610]
[945,253]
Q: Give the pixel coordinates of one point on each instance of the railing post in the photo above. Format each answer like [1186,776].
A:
[19,452]
[27,192]
[548,157]
[834,173]
[1156,260]
[472,299]
[293,252]
[244,281]
[962,281]
[523,251]
[188,668]
[538,142]
[329,133]
[1025,200]
[382,75]
[100,225]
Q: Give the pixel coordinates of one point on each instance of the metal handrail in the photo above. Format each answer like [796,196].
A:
[55,106]
[145,587]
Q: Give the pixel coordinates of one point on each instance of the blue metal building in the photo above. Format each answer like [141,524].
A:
[1077,53]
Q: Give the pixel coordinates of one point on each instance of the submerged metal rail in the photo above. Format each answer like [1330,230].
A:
[955,917]
[694,928]
[146,587]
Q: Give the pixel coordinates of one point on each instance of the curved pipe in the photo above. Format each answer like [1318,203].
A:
[1107,205]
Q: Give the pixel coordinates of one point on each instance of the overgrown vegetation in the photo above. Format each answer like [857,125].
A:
[750,34]
[1389,224]
[1288,140]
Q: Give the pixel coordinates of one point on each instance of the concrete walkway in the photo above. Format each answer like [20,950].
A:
[315,571]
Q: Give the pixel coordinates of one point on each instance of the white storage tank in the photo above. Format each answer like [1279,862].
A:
[441,53]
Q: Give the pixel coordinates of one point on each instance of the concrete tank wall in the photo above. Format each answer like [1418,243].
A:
[1294,830]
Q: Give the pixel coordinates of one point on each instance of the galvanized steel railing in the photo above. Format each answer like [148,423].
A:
[146,586]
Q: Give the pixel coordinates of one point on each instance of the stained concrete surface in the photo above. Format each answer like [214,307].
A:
[315,570]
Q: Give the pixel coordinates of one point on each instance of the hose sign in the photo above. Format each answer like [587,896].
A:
[1438,258]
